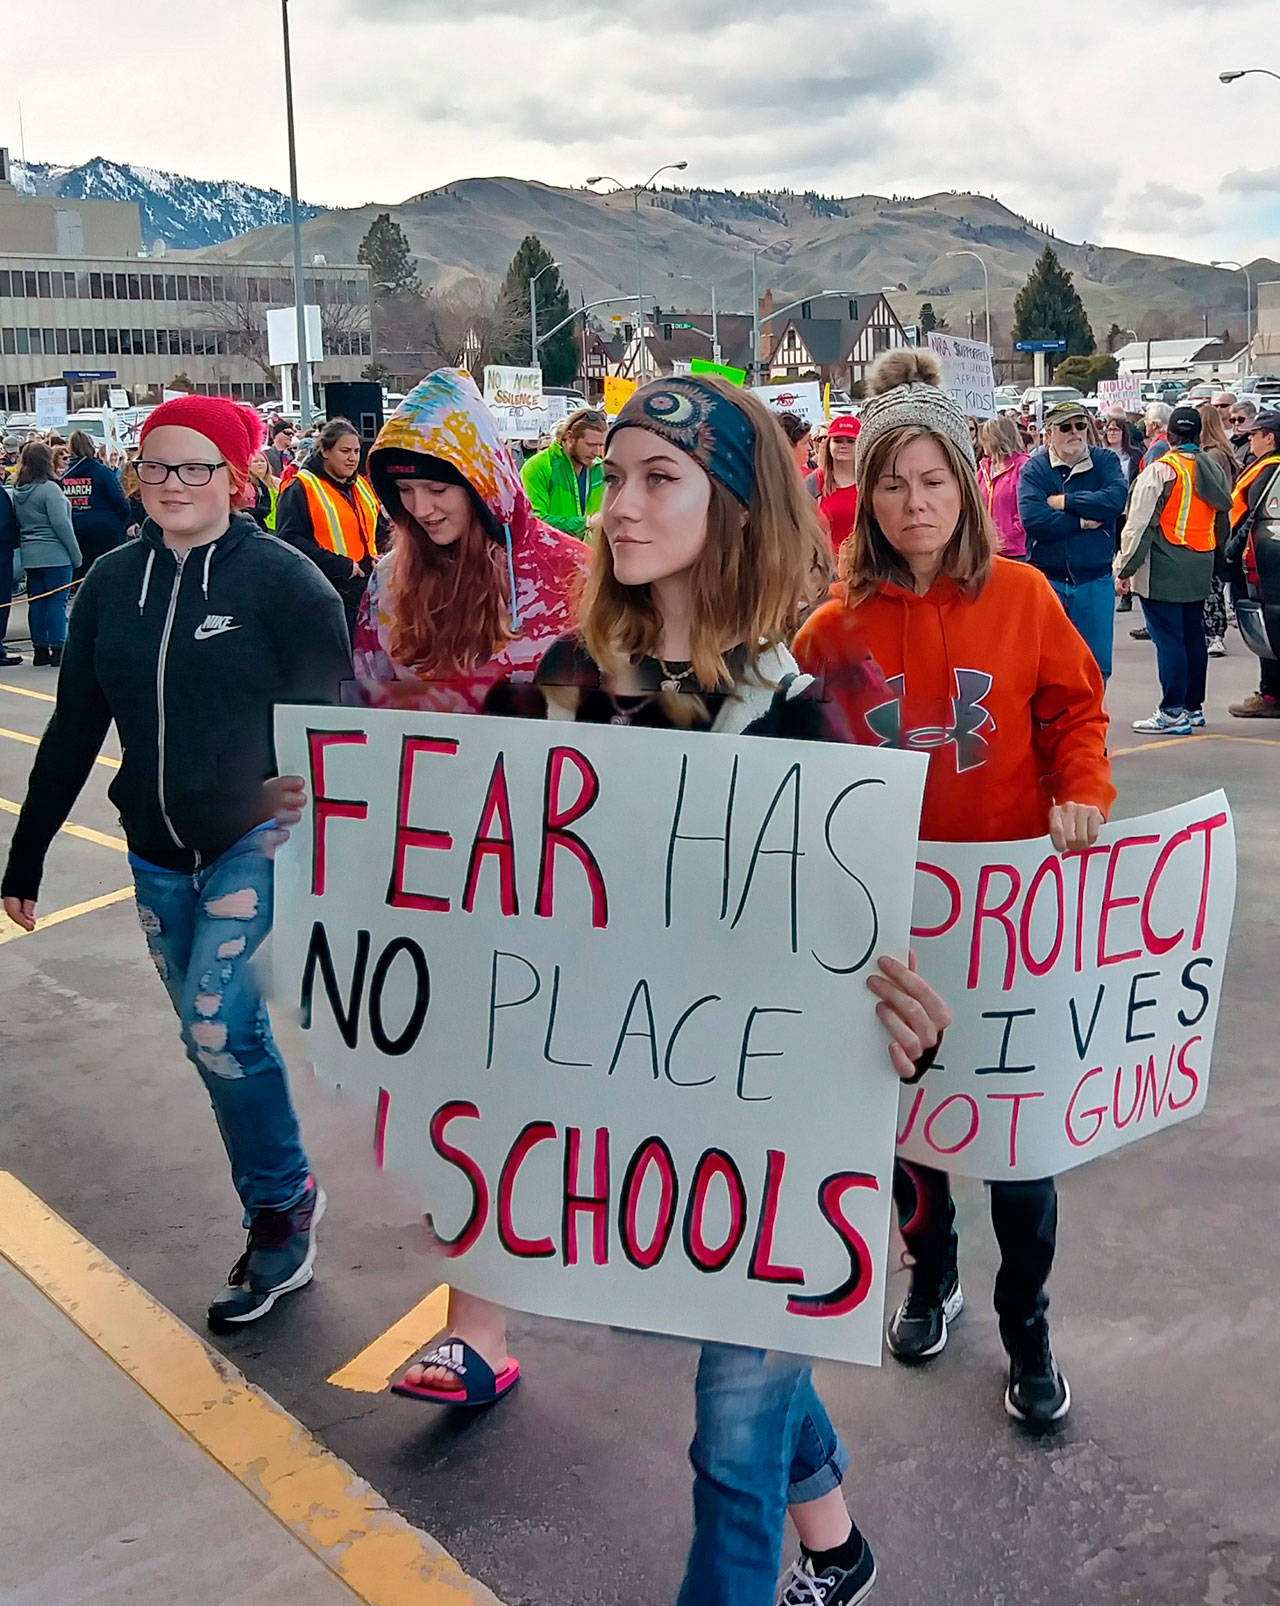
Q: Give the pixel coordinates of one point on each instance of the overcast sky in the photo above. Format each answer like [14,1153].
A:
[1105,121]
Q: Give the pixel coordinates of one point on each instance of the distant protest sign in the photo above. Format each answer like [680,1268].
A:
[51,407]
[1085,990]
[967,375]
[803,399]
[512,387]
[1124,392]
[603,994]
[617,390]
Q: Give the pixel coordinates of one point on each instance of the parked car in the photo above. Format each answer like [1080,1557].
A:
[1008,399]
[1051,395]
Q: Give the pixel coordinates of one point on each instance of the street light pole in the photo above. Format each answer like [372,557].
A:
[986,284]
[533,310]
[607,178]
[715,318]
[1248,304]
[1243,72]
[299,288]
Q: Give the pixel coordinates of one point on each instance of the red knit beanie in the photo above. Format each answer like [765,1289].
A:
[233,427]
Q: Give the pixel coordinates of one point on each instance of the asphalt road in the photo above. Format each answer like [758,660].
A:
[1163,1490]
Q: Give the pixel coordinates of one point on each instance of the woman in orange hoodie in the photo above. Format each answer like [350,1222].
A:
[989,678]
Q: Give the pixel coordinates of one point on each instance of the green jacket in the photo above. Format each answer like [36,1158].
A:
[552,484]
[1161,571]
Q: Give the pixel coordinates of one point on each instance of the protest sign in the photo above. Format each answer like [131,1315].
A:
[967,374]
[521,423]
[616,391]
[512,387]
[735,376]
[605,990]
[1085,990]
[804,399]
[1124,392]
[51,407]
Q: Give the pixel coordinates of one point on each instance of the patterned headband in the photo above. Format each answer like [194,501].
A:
[690,415]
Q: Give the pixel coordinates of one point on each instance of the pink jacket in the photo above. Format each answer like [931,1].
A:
[1000,497]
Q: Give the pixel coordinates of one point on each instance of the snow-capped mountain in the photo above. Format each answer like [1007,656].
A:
[186,213]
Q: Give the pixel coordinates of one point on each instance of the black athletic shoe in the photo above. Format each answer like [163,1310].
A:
[1141,633]
[919,1326]
[1038,1394]
[280,1257]
[831,1587]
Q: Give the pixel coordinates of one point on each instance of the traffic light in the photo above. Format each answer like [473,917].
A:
[628,332]
[806,309]
[666,331]
[853,310]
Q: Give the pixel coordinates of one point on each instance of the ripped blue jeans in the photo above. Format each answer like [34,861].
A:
[203,931]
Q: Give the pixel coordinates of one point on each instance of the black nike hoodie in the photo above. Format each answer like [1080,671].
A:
[188,654]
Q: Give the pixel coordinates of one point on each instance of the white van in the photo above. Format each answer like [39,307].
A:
[99,423]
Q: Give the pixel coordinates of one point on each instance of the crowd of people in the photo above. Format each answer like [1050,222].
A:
[595,586]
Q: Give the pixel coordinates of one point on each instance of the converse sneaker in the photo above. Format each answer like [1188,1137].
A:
[279,1258]
[919,1326]
[1256,706]
[1038,1394]
[1162,724]
[831,1587]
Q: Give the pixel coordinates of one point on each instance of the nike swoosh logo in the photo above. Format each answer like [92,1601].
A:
[201,634]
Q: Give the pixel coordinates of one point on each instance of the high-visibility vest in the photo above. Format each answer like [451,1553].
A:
[342,526]
[1186,519]
[1255,471]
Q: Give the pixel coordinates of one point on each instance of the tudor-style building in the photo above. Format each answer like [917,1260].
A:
[840,349]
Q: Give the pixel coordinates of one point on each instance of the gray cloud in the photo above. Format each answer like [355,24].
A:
[1265,180]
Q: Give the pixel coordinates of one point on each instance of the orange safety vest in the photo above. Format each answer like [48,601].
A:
[1255,471]
[336,523]
[1186,519]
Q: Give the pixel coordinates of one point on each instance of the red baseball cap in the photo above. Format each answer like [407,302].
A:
[845,427]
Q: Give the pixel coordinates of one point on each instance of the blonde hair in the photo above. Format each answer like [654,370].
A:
[867,560]
[759,571]
[1000,437]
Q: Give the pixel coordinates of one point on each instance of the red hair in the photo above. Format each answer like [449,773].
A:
[450,606]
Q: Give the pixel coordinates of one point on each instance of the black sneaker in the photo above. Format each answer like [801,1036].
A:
[831,1587]
[919,1326]
[280,1257]
[1038,1394]
[1141,633]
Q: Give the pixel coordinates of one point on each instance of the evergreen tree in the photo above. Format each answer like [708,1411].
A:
[1048,307]
[557,357]
[928,320]
[385,252]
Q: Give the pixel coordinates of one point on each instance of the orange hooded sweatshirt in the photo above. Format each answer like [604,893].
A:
[998,689]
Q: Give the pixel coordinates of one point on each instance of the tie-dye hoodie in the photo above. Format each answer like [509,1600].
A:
[445,416]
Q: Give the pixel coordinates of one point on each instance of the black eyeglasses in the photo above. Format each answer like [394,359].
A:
[151,473]
[1238,418]
[1069,424]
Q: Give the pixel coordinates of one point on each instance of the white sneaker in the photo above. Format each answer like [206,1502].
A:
[1162,724]
[1196,716]
[1217,647]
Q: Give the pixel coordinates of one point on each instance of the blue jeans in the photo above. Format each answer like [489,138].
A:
[47,619]
[1091,608]
[6,588]
[203,931]
[763,1441]
[1182,652]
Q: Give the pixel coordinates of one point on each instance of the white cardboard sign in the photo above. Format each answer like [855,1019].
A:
[51,407]
[967,374]
[1085,991]
[1124,392]
[512,387]
[804,399]
[605,991]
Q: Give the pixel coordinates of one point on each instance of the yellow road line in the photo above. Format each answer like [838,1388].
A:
[85,832]
[1170,744]
[26,691]
[11,933]
[377,1364]
[34,741]
[318,1498]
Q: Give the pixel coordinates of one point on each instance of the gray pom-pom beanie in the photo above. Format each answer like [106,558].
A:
[905,393]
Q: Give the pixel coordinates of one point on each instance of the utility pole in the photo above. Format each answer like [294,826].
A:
[299,287]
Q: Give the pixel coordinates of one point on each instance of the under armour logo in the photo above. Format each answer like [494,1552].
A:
[969,718]
[216,624]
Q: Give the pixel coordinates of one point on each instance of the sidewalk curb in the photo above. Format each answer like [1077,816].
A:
[345,1523]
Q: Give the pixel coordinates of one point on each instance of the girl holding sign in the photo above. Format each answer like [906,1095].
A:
[711,547]
[987,675]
